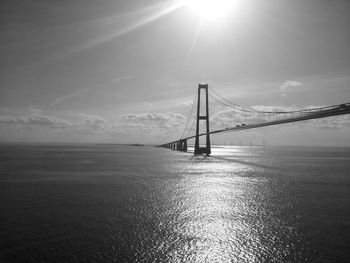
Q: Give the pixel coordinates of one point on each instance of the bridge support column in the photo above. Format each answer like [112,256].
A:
[207,148]
[184,145]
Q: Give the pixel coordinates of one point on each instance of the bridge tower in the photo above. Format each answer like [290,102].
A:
[207,148]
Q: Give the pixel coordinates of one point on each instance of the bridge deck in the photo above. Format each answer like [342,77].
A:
[331,111]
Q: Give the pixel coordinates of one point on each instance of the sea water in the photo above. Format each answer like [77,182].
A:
[112,203]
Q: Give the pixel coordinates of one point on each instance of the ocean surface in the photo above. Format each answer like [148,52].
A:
[110,203]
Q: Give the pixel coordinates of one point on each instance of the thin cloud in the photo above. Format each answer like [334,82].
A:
[117,80]
[69,96]
[35,120]
[147,103]
[132,124]
[93,122]
[64,98]
[287,85]
[6,119]
[157,122]
[290,83]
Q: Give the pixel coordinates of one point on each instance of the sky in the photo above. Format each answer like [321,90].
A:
[111,71]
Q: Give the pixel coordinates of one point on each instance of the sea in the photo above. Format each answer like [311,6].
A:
[115,203]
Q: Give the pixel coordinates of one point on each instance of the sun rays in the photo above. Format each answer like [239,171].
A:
[213,10]
[112,27]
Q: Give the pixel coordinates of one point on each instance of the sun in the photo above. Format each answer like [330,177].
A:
[213,10]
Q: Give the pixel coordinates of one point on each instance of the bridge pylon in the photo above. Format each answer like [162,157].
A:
[207,148]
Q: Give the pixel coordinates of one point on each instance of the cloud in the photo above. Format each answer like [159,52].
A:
[287,85]
[11,120]
[185,103]
[36,120]
[86,124]
[290,83]
[334,122]
[34,111]
[152,124]
[274,108]
[69,96]
[156,121]
[152,116]
[93,122]
[148,127]
[147,103]
[64,98]
[119,79]
[49,121]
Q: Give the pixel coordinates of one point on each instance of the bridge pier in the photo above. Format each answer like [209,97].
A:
[180,145]
[207,148]
[184,146]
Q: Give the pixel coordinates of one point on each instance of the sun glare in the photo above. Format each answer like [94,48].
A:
[210,9]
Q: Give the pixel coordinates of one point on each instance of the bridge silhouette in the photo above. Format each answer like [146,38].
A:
[227,116]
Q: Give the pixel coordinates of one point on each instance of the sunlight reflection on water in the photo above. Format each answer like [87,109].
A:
[216,200]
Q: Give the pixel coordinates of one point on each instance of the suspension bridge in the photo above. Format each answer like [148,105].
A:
[226,116]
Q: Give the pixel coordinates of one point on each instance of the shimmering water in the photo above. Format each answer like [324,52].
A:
[107,203]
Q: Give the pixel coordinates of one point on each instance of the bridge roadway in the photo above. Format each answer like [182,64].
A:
[328,112]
